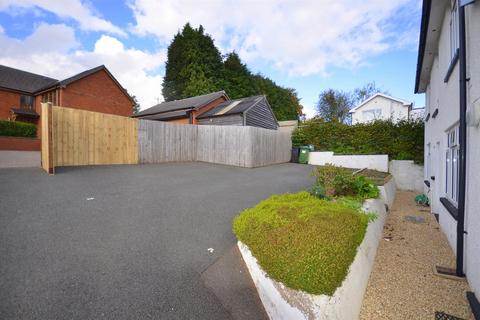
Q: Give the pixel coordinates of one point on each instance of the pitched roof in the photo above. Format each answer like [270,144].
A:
[232,107]
[19,80]
[188,103]
[405,103]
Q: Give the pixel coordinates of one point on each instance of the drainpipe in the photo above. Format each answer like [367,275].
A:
[462,136]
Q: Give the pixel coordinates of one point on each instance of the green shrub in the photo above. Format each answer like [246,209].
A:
[304,242]
[403,140]
[17,129]
[338,181]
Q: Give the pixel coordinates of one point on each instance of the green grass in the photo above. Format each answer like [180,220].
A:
[304,242]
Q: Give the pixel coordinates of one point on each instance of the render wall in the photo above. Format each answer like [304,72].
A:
[445,97]
[390,110]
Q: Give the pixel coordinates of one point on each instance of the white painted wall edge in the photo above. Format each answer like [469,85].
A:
[284,303]
[376,162]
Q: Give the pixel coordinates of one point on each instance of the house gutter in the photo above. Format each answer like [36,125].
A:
[462,137]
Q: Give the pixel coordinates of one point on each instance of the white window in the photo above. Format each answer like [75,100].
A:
[454,35]
[372,114]
[451,168]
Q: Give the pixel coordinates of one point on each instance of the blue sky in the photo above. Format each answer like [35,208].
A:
[307,45]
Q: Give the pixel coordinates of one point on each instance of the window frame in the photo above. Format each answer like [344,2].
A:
[452,154]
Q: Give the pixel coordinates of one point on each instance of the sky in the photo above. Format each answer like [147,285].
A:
[308,45]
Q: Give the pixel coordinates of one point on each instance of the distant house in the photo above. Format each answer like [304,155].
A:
[448,70]
[183,111]
[21,93]
[251,111]
[381,107]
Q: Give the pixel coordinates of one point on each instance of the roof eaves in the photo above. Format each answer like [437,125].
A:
[221,93]
[427,4]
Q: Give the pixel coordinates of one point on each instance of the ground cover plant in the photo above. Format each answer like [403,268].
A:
[17,129]
[302,241]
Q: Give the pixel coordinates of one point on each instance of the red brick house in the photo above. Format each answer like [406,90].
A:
[184,111]
[21,94]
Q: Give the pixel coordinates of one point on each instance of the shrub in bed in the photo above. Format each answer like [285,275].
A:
[304,242]
[17,129]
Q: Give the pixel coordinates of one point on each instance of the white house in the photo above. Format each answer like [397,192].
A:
[380,107]
[448,72]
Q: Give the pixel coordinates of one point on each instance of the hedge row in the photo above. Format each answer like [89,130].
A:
[401,141]
[17,129]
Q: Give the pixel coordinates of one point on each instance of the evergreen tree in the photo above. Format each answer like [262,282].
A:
[136,105]
[238,80]
[191,56]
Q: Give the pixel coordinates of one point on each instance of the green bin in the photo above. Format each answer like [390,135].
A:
[304,152]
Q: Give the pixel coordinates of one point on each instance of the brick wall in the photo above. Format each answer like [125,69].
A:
[18,143]
[7,101]
[97,92]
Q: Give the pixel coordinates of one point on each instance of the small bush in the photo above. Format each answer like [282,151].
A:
[338,181]
[403,140]
[17,129]
[303,242]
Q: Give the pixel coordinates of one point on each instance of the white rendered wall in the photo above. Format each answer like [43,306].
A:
[390,110]
[375,162]
[408,175]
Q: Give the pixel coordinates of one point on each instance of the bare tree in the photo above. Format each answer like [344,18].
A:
[334,105]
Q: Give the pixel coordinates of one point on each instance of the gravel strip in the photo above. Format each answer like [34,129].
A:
[402,284]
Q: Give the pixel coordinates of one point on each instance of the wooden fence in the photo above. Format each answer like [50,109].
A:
[72,137]
[231,145]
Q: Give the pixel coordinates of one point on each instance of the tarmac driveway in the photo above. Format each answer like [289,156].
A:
[131,242]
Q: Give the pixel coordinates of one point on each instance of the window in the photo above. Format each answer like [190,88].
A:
[451,167]
[372,114]
[50,96]
[454,35]
[26,102]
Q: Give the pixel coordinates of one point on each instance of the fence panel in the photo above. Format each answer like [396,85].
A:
[166,142]
[89,138]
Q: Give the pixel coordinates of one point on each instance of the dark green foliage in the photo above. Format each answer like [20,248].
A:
[304,242]
[17,129]
[341,182]
[192,57]
[239,81]
[136,105]
[403,140]
[194,66]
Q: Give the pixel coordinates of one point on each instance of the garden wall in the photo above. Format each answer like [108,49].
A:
[408,175]
[375,162]
[19,143]
[281,302]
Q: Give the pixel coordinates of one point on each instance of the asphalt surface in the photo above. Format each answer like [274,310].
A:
[131,242]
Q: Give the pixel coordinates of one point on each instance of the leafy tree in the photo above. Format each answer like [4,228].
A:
[192,56]
[136,105]
[361,94]
[334,105]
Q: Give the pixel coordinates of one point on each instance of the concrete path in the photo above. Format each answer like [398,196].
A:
[131,242]
[402,284]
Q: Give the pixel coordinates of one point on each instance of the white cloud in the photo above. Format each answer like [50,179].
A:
[71,9]
[136,70]
[298,37]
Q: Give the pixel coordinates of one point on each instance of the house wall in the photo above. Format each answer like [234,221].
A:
[8,100]
[390,110]
[97,92]
[226,120]
[445,97]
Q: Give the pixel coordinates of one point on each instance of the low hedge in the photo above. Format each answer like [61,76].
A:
[17,129]
[403,140]
[304,242]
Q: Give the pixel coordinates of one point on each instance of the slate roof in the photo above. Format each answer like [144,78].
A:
[19,80]
[167,115]
[232,107]
[24,81]
[188,103]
